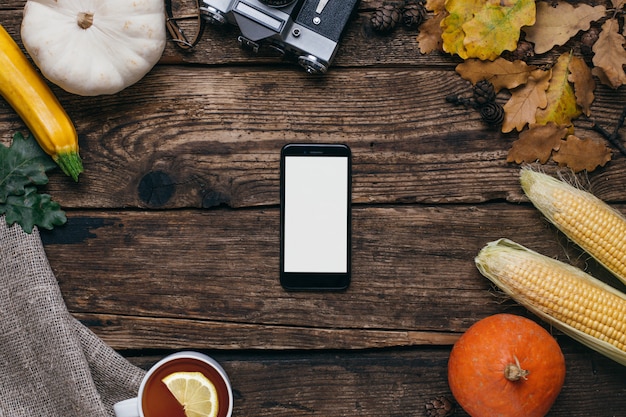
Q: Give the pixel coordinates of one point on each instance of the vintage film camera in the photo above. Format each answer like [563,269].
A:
[307,31]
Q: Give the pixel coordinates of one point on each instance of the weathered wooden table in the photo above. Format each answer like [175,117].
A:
[172,240]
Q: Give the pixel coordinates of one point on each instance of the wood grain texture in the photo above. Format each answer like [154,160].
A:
[387,383]
[217,134]
[413,272]
[173,231]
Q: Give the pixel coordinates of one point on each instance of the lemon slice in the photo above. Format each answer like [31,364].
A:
[195,392]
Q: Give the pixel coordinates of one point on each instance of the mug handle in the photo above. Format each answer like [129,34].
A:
[126,408]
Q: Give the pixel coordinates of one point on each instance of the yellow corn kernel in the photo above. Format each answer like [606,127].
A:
[579,305]
[589,222]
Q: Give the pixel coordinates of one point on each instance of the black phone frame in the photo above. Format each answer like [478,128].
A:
[315,281]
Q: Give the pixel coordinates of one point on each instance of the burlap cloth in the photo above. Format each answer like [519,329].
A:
[51,364]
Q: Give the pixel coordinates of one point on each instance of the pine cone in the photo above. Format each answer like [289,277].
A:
[484,92]
[523,51]
[588,39]
[413,14]
[492,113]
[439,407]
[385,18]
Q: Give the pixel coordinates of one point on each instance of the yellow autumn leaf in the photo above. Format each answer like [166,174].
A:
[562,107]
[556,25]
[459,12]
[485,28]
[496,28]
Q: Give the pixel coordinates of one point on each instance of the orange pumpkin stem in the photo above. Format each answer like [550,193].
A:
[514,372]
[85,20]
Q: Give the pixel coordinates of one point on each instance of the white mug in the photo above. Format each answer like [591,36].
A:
[133,406]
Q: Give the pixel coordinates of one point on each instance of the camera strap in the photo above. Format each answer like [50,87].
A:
[178,35]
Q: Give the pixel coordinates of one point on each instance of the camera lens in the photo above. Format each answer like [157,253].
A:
[277,3]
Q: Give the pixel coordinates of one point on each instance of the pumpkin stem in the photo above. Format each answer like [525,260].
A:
[514,372]
[84,20]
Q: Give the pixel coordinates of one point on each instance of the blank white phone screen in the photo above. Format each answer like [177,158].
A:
[316,214]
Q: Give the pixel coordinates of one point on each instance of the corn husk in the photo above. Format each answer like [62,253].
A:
[558,200]
[496,261]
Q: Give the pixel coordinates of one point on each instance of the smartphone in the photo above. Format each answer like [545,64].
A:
[315,195]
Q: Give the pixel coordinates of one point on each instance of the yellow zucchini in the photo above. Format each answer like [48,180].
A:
[29,95]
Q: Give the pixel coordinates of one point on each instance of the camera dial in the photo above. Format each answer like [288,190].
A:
[312,64]
[212,15]
[277,3]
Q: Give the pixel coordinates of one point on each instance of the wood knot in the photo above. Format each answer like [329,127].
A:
[156,188]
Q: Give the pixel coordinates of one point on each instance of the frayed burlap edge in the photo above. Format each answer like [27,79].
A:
[52,365]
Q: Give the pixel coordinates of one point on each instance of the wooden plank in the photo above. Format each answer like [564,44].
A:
[413,271]
[218,149]
[126,332]
[208,146]
[389,382]
[172,239]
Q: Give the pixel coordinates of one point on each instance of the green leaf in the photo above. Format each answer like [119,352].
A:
[21,164]
[32,209]
[23,167]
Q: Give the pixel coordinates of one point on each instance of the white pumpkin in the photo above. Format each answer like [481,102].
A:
[93,47]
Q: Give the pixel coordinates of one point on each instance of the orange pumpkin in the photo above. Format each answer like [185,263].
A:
[506,366]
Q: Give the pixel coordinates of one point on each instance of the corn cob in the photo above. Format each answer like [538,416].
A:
[579,305]
[589,222]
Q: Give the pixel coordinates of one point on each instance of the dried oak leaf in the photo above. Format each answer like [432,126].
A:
[610,55]
[429,38]
[537,143]
[581,154]
[562,107]
[435,6]
[501,72]
[557,25]
[521,108]
[496,28]
[584,84]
